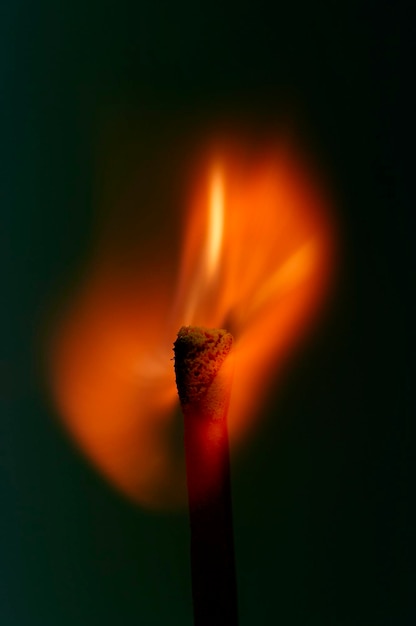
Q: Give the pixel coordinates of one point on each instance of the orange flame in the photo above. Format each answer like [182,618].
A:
[257,259]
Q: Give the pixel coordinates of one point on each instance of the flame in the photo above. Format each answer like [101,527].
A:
[216,224]
[257,259]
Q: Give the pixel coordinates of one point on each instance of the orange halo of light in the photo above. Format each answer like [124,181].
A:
[257,259]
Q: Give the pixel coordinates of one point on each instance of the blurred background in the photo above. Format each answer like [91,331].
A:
[92,92]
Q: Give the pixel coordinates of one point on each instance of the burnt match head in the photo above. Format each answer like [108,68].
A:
[199,354]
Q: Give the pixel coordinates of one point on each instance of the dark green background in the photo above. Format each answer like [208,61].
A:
[322,495]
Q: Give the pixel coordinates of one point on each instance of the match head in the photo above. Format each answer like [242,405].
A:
[199,354]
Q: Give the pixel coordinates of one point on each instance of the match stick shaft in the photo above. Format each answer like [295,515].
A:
[214,586]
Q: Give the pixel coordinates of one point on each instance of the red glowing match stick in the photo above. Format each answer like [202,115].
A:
[203,367]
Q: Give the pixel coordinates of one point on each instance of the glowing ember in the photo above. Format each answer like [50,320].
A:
[256,260]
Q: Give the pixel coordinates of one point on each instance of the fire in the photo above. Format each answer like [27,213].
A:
[216,224]
[257,259]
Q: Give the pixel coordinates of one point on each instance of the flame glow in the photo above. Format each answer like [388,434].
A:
[216,224]
[256,259]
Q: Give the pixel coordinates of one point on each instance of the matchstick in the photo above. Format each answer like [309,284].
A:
[203,368]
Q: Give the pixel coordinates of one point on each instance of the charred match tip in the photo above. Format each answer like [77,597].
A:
[199,355]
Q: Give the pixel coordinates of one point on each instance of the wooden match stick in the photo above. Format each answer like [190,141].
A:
[203,368]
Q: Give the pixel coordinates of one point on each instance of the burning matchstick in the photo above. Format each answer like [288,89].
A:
[203,368]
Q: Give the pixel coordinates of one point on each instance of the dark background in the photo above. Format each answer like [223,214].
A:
[322,496]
